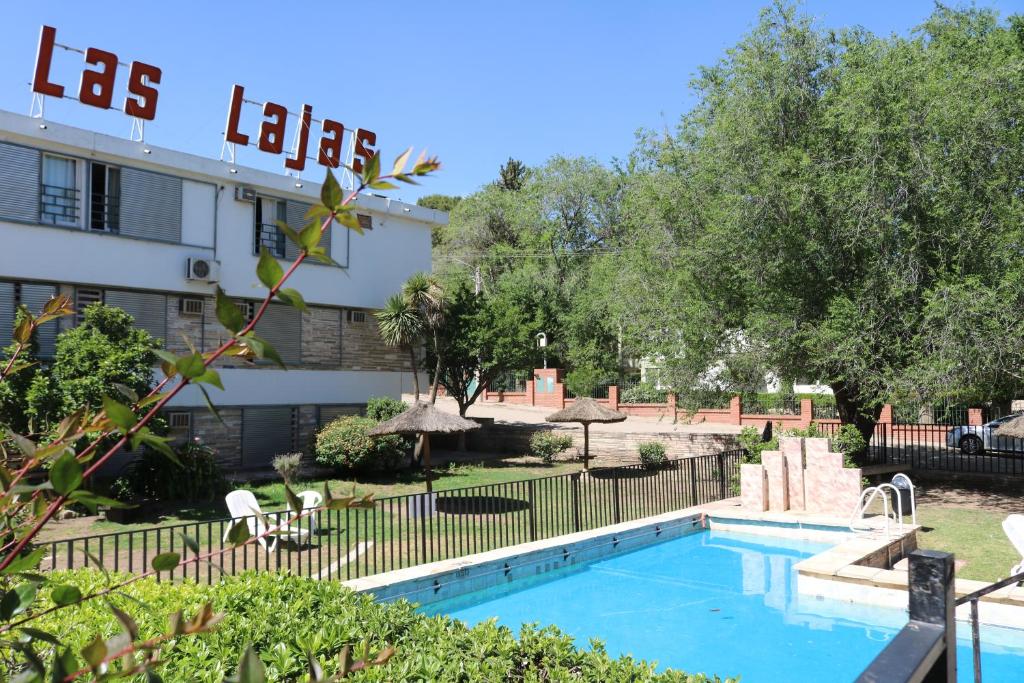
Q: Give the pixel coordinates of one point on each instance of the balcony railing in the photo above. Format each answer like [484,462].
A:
[267,235]
[105,212]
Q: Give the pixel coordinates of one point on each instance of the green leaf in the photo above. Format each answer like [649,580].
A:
[371,170]
[17,600]
[382,185]
[268,270]
[129,625]
[66,474]
[25,445]
[288,231]
[229,315]
[400,162]
[317,212]
[165,356]
[261,348]
[191,366]
[294,502]
[239,533]
[331,195]
[95,652]
[212,377]
[25,562]
[350,221]
[23,332]
[292,298]
[250,668]
[165,561]
[127,392]
[65,594]
[119,414]
[36,634]
[189,542]
[64,664]
[209,405]
[159,443]
[92,501]
[310,236]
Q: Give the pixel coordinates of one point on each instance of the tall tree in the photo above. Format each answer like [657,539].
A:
[425,295]
[828,189]
[401,326]
[512,175]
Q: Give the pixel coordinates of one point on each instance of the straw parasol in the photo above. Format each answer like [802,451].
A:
[424,418]
[1012,429]
[585,411]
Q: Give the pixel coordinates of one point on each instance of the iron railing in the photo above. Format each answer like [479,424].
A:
[973,599]
[407,530]
[268,235]
[58,205]
[598,392]
[511,381]
[769,404]
[105,212]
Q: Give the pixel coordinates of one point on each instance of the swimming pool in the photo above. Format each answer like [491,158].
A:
[718,602]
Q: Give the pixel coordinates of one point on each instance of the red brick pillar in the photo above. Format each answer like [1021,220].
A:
[613,397]
[806,412]
[734,411]
[974,417]
[886,415]
[670,398]
[560,394]
[531,391]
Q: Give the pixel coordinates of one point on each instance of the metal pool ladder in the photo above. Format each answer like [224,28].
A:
[899,486]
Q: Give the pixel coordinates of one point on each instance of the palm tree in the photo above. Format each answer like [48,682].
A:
[424,293]
[401,326]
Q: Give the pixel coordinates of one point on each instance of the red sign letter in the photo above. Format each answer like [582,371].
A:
[330,147]
[363,153]
[299,162]
[145,106]
[41,83]
[97,87]
[231,133]
[272,134]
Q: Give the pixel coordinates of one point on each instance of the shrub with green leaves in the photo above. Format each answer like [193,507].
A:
[156,477]
[652,454]
[644,392]
[546,445]
[285,616]
[346,444]
[381,408]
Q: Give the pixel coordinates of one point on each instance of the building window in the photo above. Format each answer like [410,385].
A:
[86,297]
[190,305]
[58,193]
[365,221]
[179,427]
[355,316]
[267,235]
[104,198]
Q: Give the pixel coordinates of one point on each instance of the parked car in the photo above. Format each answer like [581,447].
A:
[973,439]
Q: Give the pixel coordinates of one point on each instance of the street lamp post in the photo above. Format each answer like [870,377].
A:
[542,343]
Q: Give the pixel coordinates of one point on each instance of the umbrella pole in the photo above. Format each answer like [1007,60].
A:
[586,446]
[426,460]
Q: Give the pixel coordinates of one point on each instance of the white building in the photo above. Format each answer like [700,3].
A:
[106,219]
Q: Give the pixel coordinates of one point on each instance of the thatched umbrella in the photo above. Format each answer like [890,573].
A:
[585,411]
[425,419]
[1012,429]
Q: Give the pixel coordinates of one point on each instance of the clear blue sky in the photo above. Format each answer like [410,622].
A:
[475,82]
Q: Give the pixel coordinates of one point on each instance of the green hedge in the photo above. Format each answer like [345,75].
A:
[283,616]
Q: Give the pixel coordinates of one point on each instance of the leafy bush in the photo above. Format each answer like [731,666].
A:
[288,465]
[154,476]
[546,445]
[382,408]
[847,440]
[283,616]
[752,443]
[643,393]
[850,443]
[345,444]
[652,454]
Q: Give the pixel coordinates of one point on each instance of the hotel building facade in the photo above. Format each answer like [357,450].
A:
[153,231]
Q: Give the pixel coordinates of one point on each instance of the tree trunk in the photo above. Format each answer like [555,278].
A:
[437,370]
[462,435]
[854,410]
[426,461]
[586,446]
[415,372]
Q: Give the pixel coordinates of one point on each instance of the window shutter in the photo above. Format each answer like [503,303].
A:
[35,297]
[295,216]
[150,205]
[19,183]
[149,310]
[267,432]
[281,325]
[6,313]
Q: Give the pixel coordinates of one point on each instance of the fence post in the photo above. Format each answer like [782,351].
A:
[576,501]
[423,526]
[721,476]
[693,481]
[933,601]
[735,411]
[613,396]
[806,412]
[615,493]
[673,408]
[533,516]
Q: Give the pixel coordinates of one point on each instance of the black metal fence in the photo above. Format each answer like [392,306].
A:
[403,531]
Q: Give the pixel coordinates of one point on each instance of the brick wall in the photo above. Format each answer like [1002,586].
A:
[321,338]
[362,348]
[225,438]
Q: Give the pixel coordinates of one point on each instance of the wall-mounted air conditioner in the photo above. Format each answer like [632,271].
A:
[202,270]
[245,194]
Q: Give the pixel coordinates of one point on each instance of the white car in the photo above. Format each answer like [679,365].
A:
[973,440]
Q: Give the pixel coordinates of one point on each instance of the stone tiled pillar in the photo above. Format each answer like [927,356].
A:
[792,449]
[885,417]
[670,399]
[806,412]
[778,483]
[974,417]
[734,411]
[753,488]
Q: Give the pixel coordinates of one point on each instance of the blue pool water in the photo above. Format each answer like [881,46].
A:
[717,602]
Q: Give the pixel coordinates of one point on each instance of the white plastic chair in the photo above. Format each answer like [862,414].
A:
[1013,526]
[242,504]
[310,501]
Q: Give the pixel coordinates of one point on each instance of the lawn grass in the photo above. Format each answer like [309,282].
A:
[975,536]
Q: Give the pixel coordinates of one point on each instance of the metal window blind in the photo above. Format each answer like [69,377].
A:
[6,313]
[267,432]
[281,326]
[35,297]
[150,205]
[295,216]
[19,183]
[83,298]
[149,310]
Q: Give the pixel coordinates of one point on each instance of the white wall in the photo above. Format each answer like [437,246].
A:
[249,387]
[197,213]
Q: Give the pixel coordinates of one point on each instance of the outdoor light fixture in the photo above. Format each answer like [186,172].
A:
[406,209]
[298,184]
[42,126]
[232,170]
[542,343]
[147,150]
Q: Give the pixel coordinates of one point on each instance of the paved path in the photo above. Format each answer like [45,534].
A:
[504,412]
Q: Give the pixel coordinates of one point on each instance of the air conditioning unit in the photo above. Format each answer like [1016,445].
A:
[202,269]
[245,194]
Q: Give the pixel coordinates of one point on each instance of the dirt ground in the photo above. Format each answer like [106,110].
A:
[994,496]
